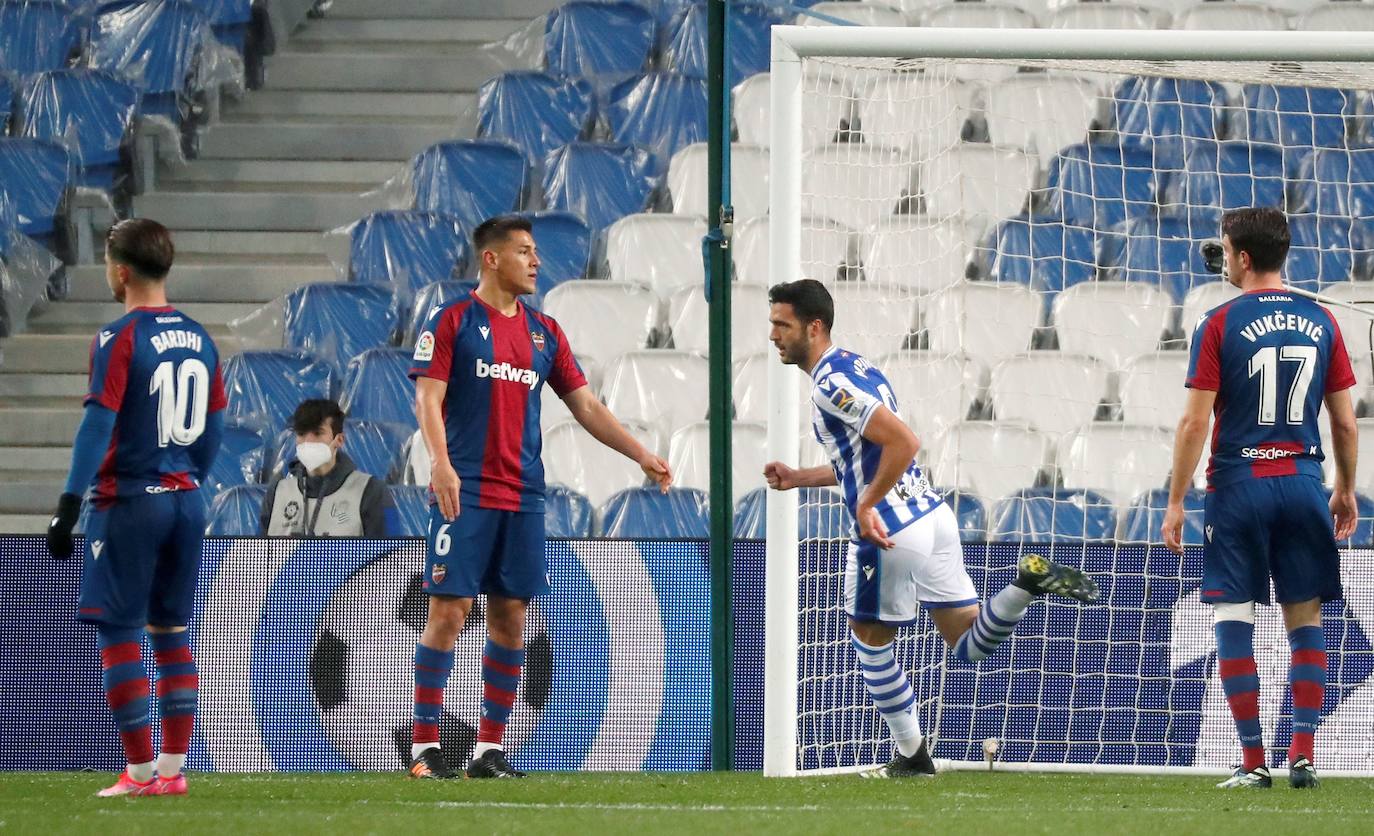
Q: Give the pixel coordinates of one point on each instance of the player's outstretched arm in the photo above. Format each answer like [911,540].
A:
[1188,441]
[1345,436]
[429,411]
[596,419]
[781,477]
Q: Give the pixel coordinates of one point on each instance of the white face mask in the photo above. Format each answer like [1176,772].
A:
[314,455]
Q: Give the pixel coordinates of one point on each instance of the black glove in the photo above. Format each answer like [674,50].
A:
[61,525]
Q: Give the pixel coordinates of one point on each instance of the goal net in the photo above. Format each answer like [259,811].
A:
[1010,223]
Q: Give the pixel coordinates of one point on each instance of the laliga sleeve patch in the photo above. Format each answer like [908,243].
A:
[424,347]
[844,401]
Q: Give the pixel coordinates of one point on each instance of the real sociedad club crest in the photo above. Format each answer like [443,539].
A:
[538,340]
[438,573]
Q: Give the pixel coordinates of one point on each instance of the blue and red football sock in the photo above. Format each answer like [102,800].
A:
[1240,682]
[1307,678]
[432,668]
[177,688]
[126,691]
[500,679]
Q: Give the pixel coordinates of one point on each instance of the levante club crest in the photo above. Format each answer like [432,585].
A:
[538,340]
[438,573]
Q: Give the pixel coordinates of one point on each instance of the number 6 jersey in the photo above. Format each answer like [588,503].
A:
[1271,357]
[158,371]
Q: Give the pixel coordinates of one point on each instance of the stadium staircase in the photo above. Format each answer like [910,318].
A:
[348,97]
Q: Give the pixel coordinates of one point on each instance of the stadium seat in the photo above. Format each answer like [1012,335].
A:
[158,45]
[822,121]
[552,409]
[684,47]
[409,250]
[469,179]
[1334,182]
[1042,248]
[239,461]
[830,187]
[565,247]
[663,389]
[374,446]
[229,20]
[418,466]
[748,180]
[662,112]
[1144,521]
[584,308]
[1355,327]
[1230,175]
[749,384]
[646,513]
[1119,461]
[1324,251]
[410,511]
[916,254]
[933,391]
[971,513]
[576,460]
[1112,321]
[264,387]
[977,182]
[535,111]
[432,295]
[339,321]
[689,456]
[871,321]
[980,15]
[1163,251]
[1336,17]
[982,320]
[989,459]
[822,515]
[235,512]
[825,250]
[1055,517]
[93,114]
[1101,184]
[599,181]
[859,14]
[1152,390]
[689,319]
[1041,113]
[36,179]
[1052,391]
[1163,114]
[1101,16]
[598,39]
[1248,17]
[1202,299]
[567,513]
[1296,119]
[662,251]
[919,113]
[37,35]
[376,387]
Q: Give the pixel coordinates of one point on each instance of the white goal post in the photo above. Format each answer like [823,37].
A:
[1341,58]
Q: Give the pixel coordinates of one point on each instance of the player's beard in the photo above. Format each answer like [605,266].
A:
[796,353]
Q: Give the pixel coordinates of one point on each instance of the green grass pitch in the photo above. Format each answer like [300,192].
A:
[970,803]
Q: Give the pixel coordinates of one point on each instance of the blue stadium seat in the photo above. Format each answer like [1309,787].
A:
[1101,184]
[239,461]
[1164,113]
[36,178]
[1056,254]
[1296,118]
[1160,250]
[684,47]
[1145,517]
[408,249]
[567,513]
[535,111]
[1325,250]
[565,247]
[1333,181]
[409,515]
[339,321]
[228,19]
[7,97]
[264,387]
[1230,175]
[376,387]
[93,113]
[1050,515]
[374,446]
[645,513]
[37,35]
[663,112]
[156,44]
[599,181]
[469,179]
[589,39]
[234,513]
[433,294]
[971,513]
[821,515]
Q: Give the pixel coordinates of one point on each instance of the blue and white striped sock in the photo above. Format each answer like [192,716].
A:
[891,693]
[994,625]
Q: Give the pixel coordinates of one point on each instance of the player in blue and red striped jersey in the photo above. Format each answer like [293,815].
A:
[152,426]
[479,367]
[1263,364]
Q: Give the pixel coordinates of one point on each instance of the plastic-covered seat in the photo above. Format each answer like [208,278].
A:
[407,249]
[689,456]
[239,461]
[917,254]
[264,387]
[687,180]
[1335,181]
[1336,17]
[821,515]
[1164,251]
[1100,16]
[535,111]
[374,446]
[921,113]
[658,388]
[689,319]
[1324,251]
[749,385]
[978,182]
[855,184]
[36,179]
[663,112]
[971,513]
[1040,113]
[1230,175]
[646,513]
[1165,113]
[871,321]
[980,15]
[822,120]
[92,112]
[157,44]
[584,308]
[684,47]
[1051,391]
[470,179]
[377,387]
[37,35]
[1246,17]
[1046,515]
[662,251]
[409,511]
[581,463]
[989,459]
[1297,118]
[565,247]
[1152,390]
[598,39]
[1119,461]
[933,391]
[338,321]
[1202,299]
[431,296]
[1042,251]
[552,409]
[1354,326]
[859,14]
[825,247]
[229,20]
[235,512]
[567,513]
[983,320]
[599,181]
[1112,321]
[1101,184]
[1144,521]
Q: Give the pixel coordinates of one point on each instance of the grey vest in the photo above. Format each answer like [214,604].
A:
[338,514]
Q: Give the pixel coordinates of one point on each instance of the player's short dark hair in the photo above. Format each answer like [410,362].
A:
[499,228]
[142,245]
[1262,232]
[311,414]
[808,298]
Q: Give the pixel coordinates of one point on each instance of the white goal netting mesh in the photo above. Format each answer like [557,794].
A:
[1017,248]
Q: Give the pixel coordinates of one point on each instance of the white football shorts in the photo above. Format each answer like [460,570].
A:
[924,568]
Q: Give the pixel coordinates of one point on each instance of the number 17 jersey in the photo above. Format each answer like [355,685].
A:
[1271,357]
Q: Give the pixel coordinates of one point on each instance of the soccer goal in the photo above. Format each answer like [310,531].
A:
[1010,222]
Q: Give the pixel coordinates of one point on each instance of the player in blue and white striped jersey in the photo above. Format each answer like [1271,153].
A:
[906,553]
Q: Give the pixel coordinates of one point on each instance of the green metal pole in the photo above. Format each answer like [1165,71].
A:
[718,298]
